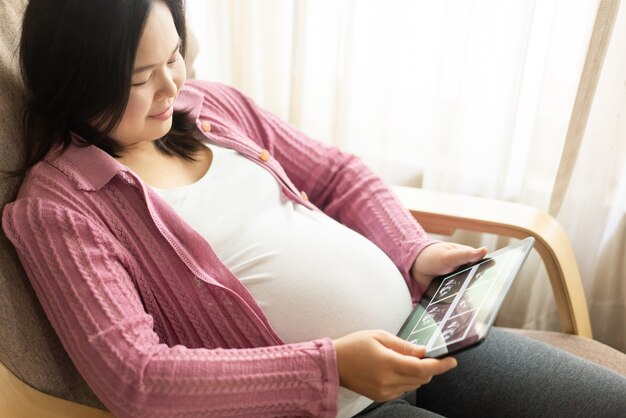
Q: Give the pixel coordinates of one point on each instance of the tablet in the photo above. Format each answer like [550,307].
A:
[458,309]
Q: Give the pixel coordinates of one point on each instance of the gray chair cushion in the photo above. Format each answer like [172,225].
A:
[28,345]
[580,346]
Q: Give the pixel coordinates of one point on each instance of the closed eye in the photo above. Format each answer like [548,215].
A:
[143,82]
[173,59]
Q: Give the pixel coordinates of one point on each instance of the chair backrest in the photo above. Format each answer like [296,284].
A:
[28,345]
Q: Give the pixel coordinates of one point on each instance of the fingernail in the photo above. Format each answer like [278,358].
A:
[419,349]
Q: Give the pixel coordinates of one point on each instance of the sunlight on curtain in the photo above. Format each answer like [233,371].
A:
[464,97]
[594,209]
[428,93]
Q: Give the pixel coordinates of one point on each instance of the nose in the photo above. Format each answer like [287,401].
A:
[168,86]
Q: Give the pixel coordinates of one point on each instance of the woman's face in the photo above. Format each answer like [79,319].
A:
[159,73]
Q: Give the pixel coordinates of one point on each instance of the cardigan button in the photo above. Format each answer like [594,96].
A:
[304,196]
[205,126]
[264,155]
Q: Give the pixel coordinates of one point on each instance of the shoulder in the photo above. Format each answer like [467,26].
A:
[74,169]
[42,205]
[218,97]
[213,90]
[50,203]
[225,105]
[60,184]
[45,188]
[42,180]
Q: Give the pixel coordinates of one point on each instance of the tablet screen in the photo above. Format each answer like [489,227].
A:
[457,310]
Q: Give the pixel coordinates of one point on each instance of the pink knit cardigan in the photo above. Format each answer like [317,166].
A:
[153,320]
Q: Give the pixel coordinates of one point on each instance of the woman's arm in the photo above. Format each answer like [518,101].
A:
[81,276]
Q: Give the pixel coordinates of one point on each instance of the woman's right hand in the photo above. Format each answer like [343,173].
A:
[382,366]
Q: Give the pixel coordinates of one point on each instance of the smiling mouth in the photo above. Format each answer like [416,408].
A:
[165,114]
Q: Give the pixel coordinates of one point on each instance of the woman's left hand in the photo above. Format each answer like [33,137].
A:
[443,258]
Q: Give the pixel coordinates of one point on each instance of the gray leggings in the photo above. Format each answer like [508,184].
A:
[513,376]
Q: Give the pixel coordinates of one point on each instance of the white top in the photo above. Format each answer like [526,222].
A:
[312,276]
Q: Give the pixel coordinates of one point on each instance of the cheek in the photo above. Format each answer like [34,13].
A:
[137,108]
[134,115]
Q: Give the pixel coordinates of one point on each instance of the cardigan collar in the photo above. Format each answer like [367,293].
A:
[90,168]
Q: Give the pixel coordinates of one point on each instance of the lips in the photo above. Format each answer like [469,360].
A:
[166,114]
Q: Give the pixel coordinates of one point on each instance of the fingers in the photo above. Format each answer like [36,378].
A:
[410,352]
[425,367]
[462,254]
[479,253]
[398,392]
[381,366]
[408,360]
[401,346]
[411,374]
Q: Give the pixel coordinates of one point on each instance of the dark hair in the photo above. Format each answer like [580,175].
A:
[77,58]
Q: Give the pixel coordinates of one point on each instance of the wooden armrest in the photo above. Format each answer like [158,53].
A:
[443,213]
[19,400]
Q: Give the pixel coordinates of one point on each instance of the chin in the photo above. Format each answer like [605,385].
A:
[164,127]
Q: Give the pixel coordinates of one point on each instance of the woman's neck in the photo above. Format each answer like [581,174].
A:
[166,171]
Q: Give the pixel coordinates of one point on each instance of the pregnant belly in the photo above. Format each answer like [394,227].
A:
[317,278]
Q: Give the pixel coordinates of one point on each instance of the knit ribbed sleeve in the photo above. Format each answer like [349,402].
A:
[83,278]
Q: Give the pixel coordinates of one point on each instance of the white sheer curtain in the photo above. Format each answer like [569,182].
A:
[464,97]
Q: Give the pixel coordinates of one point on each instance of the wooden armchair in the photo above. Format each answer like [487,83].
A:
[439,213]
[37,379]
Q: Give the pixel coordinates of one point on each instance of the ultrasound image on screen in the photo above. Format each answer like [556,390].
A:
[454,309]
[450,286]
[433,315]
[484,273]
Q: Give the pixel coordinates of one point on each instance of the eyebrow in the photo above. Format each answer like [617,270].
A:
[148,67]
